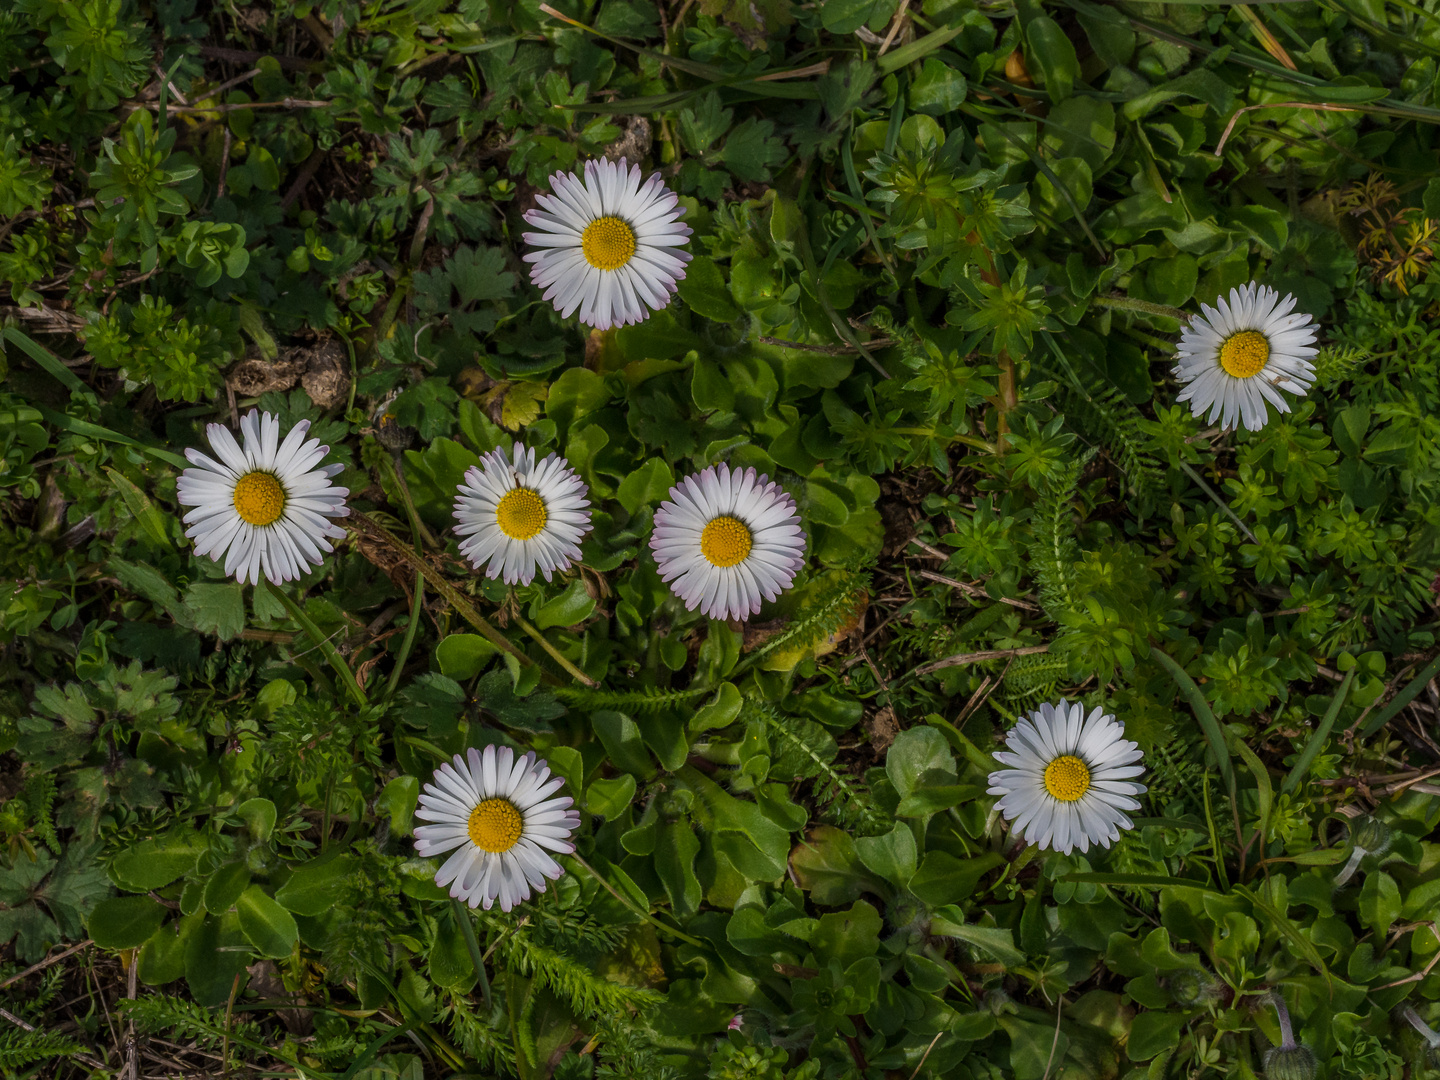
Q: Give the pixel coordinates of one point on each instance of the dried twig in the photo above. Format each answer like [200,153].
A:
[975,657]
[974,590]
[43,964]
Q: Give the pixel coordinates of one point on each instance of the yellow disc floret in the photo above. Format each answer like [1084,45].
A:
[725,541]
[608,243]
[259,498]
[496,825]
[1067,778]
[521,514]
[1245,354]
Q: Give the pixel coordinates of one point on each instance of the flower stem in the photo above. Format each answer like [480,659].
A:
[467,926]
[1287,1036]
[637,909]
[1129,303]
[332,654]
[437,582]
[1351,865]
[419,535]
[575,673]
[1215,498]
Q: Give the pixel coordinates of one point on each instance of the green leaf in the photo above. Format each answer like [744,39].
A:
[153,864]
[1153,1032]
[463,656]
[938,90]
[649,483]
[719,713]
[315,886]
[216,609]
[847,16]
[892,855]
[1264,224]
[1380,903]
[265,924]
[609,798]
[398,801]
[225,887]
[259,817]
[1052,55]
[449,962]
[703,288]
[994,940]
[124,922]
[573,606]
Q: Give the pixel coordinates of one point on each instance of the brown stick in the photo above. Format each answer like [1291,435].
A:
[976,657]
[43,964]
[973,590]
[247,56]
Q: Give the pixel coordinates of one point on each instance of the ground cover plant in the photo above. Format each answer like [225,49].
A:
[448,628]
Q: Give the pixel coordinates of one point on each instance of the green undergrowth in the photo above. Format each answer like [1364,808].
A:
[942,253]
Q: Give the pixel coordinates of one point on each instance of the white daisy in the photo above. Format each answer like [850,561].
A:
[1068,783]
[1236,358]
[608,244]
[265,505]
[519,515]
[727,538]
[498,811]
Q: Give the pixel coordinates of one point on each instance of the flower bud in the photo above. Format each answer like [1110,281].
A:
[1289,1063]
[1370,833]
[392,435]
[1194,989]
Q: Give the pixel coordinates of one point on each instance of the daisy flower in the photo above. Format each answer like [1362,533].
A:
[263,505]
[1068,783]
[1234,359]
[498,811]
[609,244]
[518,515]
[727,538]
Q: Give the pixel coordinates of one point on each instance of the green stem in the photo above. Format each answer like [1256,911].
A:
[1129,303]
[1317,741]
[1208,723]
[467,926]
[409,642]
[1215,498]
[1400,700]
[437,582]
[639,910]
[574,672]
[417,533]
[332,654]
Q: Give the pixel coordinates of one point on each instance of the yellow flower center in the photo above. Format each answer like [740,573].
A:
[1067,778]
[1245,354]
[725,541]
[495,825]
[607,243]
[521,514]
[259,498]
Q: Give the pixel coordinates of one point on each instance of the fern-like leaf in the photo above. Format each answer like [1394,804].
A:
[1335,364]
[1053,550]
[19,1048]
[586,993]
[650,699]
[1102,413]
[847,803]
[39,799]
[479,1041]
[831,606]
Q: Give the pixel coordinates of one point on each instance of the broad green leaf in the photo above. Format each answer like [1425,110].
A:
[573,606]
[463,656]
[124,922]
[265,924]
